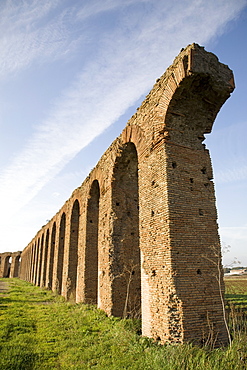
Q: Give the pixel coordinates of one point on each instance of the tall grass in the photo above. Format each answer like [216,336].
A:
[39,330]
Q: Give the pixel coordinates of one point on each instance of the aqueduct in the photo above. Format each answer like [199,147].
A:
[139,237]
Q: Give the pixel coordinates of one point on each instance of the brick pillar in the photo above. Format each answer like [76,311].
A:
[15,264]
[44,258]
[69,283]
[178,220]
[59,256]
[50,256]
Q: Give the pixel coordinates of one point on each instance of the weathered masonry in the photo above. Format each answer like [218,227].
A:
[9,264]
[139,237]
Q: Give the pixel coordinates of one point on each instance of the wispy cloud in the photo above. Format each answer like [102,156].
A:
[34,31]
[130,55]
[93,8]
[232,174]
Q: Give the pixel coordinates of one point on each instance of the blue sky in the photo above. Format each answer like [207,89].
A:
[73,72]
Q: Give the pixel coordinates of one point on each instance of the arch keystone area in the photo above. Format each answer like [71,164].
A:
[138,236]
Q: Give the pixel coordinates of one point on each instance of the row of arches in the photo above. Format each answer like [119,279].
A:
[134,235]
[67,254]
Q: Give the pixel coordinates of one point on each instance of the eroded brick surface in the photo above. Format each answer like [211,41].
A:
[139,237]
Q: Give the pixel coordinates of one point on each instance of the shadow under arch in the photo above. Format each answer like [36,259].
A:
[40,257]
[60,257]
[73,252]
[37,262]
[15,265]
[33,262]
[91,251]
[51,256]
[7,266]
[46,248]
[126,266]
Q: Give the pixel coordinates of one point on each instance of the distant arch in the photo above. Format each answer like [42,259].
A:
[37,262]
[33,262]
[60,257]
[40,257]
[51,256]
[126,272]
[6,267]
[91,251]
[73,251]
[15,265]
[45,258]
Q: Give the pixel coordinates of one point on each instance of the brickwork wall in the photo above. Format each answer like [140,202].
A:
[139,237]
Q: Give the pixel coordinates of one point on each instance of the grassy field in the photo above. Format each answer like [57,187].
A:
[38,330]
[236,303]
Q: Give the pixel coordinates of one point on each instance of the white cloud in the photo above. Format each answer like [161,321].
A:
[96,7]
[31,32]
[232,174]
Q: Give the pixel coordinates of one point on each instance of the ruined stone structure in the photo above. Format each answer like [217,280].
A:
[139,237]
[10,264]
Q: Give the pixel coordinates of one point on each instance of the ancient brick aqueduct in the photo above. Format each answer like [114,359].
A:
[139,237]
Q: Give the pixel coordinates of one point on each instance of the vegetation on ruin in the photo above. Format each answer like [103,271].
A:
[39,330]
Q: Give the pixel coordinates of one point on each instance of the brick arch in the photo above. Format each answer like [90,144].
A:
[126,279]
[33,262]
[6,265]
[177,219]
[134,134]
[60,253]
[193,91]
[15,264]
[91,245]
[73,251]
[36,273]
[50,259]
[9,264]
[30,247]
[45,258]
[40,259]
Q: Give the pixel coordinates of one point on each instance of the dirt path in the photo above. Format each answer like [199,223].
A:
[4,287]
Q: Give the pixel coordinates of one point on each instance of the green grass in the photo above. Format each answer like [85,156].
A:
[236,303]
[38,330]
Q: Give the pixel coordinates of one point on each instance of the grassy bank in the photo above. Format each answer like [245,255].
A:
[39,330]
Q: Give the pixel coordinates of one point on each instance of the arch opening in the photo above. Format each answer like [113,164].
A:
[73,252]
[60,257]
[7,266]
[51,257]
[15,265]
[46,248]
[91,251]
[126,266]
[40,261]
[36,262]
